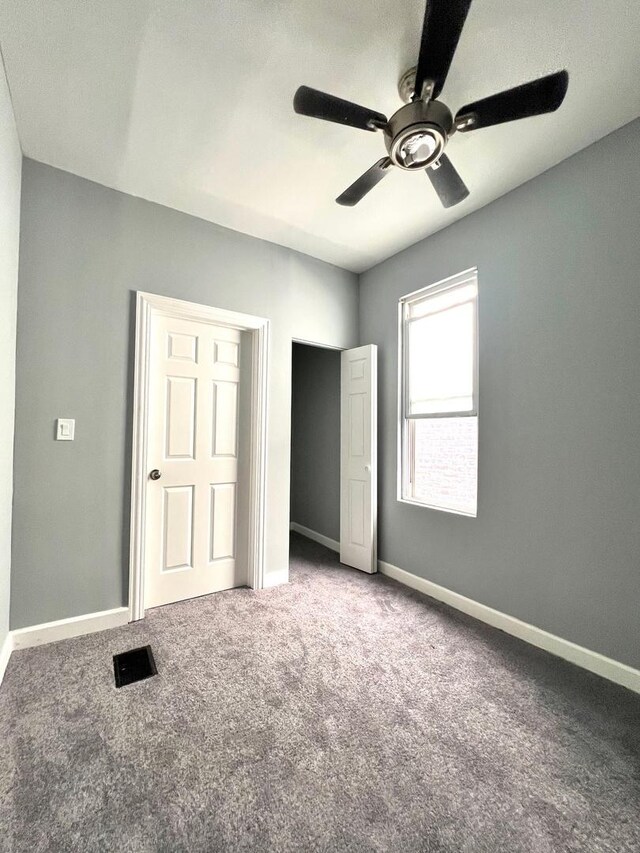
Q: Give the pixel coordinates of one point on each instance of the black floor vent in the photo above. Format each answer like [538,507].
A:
[134,666]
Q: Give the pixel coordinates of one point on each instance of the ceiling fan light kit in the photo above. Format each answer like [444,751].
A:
[417,134]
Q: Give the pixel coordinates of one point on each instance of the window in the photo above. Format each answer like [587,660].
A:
[438,465]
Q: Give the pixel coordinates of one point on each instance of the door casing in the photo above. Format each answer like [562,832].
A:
[148,305]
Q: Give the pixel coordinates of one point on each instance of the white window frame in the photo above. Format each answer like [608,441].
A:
[405,428]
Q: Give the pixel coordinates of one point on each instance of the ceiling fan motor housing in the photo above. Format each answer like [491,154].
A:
[417,133]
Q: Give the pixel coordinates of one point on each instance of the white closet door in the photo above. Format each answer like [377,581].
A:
[193,447]
[358,463]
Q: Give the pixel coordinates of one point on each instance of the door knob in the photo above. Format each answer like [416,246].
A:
[155,474]
[367,468]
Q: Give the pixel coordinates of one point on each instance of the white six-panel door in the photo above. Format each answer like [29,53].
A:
[358,462]
[190,533]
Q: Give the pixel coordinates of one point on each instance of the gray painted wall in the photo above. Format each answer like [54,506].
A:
[85,250]
[557,538]
[10,168]
[315,439]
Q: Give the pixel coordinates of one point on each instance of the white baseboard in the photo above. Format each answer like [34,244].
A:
[317,537]
[606,667]
[64,629]
[276,579]
[5,654]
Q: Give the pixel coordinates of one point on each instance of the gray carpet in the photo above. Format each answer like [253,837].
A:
[341,712]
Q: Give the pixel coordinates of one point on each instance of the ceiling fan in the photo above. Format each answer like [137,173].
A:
[417,134]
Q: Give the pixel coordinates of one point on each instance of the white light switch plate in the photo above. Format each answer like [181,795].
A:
[65,429]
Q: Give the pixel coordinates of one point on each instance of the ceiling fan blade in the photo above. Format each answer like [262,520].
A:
[531,99]
[443,23]
[447,182]
[311,102]
[358,190]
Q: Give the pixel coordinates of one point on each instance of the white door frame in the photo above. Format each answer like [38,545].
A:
[148,305]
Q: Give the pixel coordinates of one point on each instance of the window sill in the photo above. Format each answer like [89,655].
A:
[412,502]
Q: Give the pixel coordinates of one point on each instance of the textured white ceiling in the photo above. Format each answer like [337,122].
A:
[189,103]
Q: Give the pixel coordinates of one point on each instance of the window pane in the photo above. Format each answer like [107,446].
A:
[441,361]
[445,299]
[445,463]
